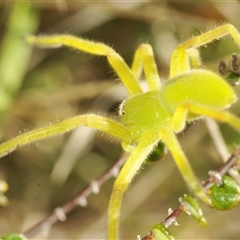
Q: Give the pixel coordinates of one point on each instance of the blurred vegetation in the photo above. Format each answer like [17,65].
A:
[57,83]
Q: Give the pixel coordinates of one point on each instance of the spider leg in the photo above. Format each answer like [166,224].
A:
[194,58]
[180,56]
[144,58]
[116,61]
[180,116]
[129,170]
[169,138]
[97,122]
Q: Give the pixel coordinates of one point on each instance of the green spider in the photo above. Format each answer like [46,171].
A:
[153,116]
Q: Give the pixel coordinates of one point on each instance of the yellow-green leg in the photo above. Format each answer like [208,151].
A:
[180,115]
[129,170]
[180,59]
[144,59]
[97,122]
[178,123]
[194,58]
[116,61]
[169,138]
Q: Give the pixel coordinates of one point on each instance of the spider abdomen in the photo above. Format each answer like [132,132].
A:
[199,86]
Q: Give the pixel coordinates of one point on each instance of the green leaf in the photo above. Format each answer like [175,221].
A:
[225,196]
[158,153]
[192,208]
[232,78]
[160,232]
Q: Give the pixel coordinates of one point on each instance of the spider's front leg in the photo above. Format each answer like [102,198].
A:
[129,170]
[95,48]
[94,121]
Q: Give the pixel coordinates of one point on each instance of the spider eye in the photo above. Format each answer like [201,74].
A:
[121,108]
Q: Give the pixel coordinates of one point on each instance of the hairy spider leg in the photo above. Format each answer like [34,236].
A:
[180,59]
[124,72]
[194,58]
[169,138]
[128,171]
[93,121]
[144,60]
[180,116]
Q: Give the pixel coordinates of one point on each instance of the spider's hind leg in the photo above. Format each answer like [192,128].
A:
[169,138]
[179,119]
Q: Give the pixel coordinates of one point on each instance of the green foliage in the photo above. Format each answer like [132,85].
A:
[232,78]
[192,208]
[158,153]
[225,196]
[14,236]
[14,53]
[160,232]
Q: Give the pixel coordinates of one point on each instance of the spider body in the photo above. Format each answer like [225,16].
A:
[149,117]
[153,110]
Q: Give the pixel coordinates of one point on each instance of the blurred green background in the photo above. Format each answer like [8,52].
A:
[42,86]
